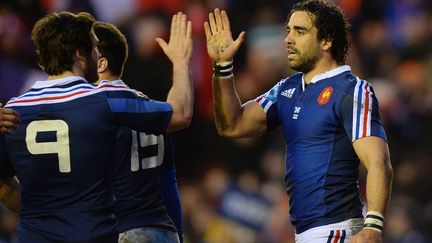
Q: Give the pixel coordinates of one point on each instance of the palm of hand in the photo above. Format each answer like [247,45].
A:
[221,47]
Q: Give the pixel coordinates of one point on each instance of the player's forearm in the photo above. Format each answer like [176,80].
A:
[227,106]
[378,185]
[10,194]
[181,97]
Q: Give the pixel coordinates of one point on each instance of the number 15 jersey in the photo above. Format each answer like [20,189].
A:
[63,151]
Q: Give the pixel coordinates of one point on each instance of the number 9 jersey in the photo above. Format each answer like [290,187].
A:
[62,154]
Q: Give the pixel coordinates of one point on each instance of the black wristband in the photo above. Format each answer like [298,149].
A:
[375,226]
[223,69]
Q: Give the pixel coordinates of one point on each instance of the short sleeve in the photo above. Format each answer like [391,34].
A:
[6,167]
[268,102]
[139,113]
[360,112]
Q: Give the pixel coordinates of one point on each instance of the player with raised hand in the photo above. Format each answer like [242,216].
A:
[62,152]
[144,184]
[330,120]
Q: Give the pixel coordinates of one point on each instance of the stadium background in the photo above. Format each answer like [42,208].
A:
[232,190]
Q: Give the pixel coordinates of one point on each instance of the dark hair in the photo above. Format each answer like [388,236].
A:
[331,24]
[58,36]
[112,45]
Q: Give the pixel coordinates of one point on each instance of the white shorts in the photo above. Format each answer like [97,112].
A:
[148,235]
[332,233]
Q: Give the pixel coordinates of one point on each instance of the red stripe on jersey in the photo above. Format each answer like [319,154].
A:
[366,110]
[65,96]
[337,236]
[49,98]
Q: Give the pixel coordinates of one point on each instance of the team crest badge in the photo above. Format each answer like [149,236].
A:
[141,94]
[325,95]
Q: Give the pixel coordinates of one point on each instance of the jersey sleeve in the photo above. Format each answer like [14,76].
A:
[360,112]
[172,200]
[170,189]
[268,102]
[139,113]
[6,168]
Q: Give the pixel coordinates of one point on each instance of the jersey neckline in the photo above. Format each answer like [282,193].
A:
[57,82]
[325,75]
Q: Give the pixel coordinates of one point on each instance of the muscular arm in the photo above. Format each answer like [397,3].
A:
[232,118]
[181,98]
[10,194]
[374,155]
[179,51]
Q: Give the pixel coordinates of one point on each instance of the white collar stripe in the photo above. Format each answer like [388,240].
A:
[64,97]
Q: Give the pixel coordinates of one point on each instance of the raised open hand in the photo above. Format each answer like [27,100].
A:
[179,48]
[220,45]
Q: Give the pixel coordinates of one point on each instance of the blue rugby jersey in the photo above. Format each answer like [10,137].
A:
[320,122]
[62,154]
[144,181]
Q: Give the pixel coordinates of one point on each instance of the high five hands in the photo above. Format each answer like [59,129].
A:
[179,47]
[220,45]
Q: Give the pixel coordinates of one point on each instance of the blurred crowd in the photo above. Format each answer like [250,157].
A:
[232,191]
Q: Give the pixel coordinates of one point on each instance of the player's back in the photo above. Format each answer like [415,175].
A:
[62,155]
[145,161]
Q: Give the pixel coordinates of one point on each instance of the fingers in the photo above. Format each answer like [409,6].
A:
[212,22]
[189,30]
[189,33]
[207,30]
[9,119]
[189,39]
[218,17]
[162,43]
[240,39]
[8,122]
[8,111]
[183,24]
[225,21]
[4,130]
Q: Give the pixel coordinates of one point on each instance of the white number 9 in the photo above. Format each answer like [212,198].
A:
[60,147]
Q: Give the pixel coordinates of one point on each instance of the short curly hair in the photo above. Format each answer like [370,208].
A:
[331,24]
[58,36]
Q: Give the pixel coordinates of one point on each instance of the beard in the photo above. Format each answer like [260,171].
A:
[306,61]
[90,70]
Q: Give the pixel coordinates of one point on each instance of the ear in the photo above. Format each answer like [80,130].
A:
[326,44]
[79,55]
[102,65]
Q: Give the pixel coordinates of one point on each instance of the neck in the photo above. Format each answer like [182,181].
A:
[63,75]
[107,76]
[77,70]
[323,65]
